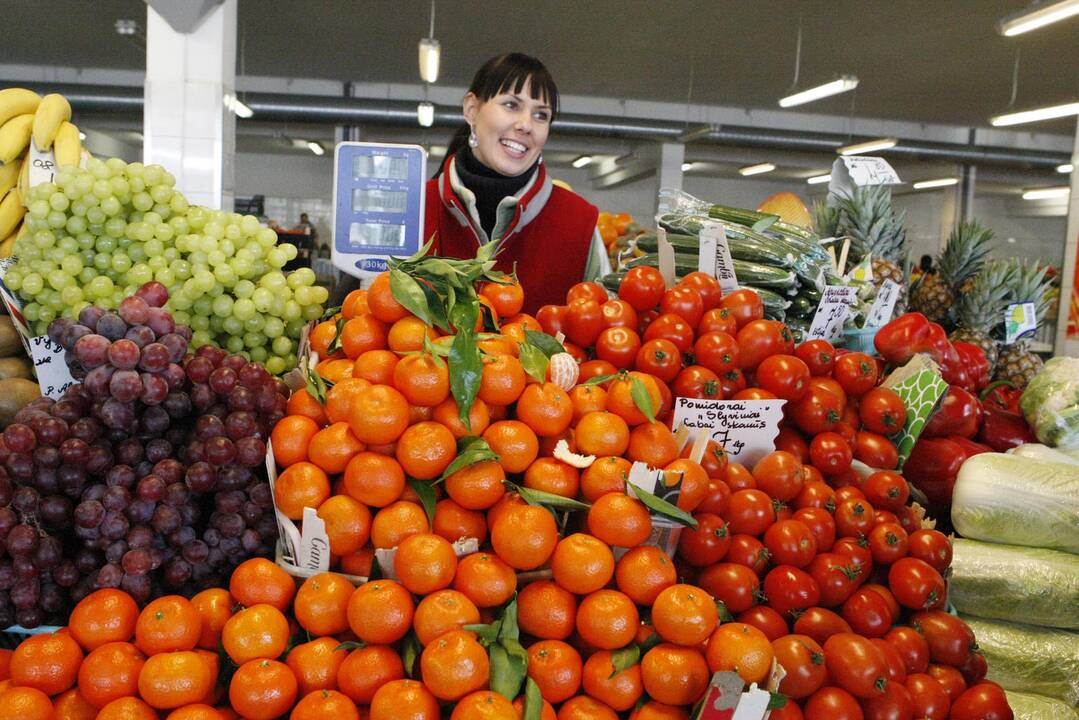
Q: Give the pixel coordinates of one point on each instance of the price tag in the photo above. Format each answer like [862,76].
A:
[852,171]
[715,258]
[746,429]
[13,306]
[53,374]
[880,313]
[832,312]
[42,165]
[863,271]
[1020,320]
[666,258]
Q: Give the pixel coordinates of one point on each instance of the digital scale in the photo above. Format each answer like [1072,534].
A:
[378,209]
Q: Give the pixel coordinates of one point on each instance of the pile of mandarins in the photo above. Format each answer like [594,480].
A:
[574,607]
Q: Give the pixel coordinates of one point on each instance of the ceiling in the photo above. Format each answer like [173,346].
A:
[917,60]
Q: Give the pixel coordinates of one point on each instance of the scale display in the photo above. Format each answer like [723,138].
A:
[378,205]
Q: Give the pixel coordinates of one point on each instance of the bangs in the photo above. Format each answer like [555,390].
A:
[510,73]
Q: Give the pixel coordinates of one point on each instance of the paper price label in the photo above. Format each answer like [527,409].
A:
[665,251]
[880,313]
[832,312]
[1020,320]
[863,271]
[13,306]
[715,257]
[53,374]
[42,165]
[746,429]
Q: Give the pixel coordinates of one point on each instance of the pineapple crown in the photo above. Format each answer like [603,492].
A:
[981,306]
[1030,284]
[964,254]
[825,218]
[865,214]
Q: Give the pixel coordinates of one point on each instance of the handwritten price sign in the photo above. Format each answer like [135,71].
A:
[53,374]
[832,312]
[715,258]
[746,429]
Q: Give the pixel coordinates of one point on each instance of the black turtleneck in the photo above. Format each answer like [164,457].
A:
[489,186]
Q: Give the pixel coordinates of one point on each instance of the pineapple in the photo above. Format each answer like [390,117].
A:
[962,258]
[1017,363]
[979,311]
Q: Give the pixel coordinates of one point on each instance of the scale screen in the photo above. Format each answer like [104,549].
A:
[375,200]
[381,167]
[361,235]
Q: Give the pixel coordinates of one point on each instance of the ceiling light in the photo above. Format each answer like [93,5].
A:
[82,135]
[843,84]
[1026,116]
[1047,192]
[757,169]
[1038,15]
[686,166]
[425,113]
[126,26]
[818,179]
[1065,168]
[429,55]
[939,182]
[315,147]
[868,146]
[237,106]
[582,161]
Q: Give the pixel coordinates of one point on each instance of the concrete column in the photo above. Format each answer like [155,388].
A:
[186,126]
[1065,344]
[669,165]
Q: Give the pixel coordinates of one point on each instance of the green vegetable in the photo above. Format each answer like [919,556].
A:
[1050,403]
[1026,706]
[1006,499]
[1029,658]
[748,273]
[1006,582]
[743,244]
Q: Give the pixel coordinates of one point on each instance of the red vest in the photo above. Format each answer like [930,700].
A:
[548,239]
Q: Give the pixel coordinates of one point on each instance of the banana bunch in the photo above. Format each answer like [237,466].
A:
[27,117]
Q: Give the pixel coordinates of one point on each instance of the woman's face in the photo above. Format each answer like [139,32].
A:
[511,129]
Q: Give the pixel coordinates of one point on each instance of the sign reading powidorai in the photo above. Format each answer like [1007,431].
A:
[746,429]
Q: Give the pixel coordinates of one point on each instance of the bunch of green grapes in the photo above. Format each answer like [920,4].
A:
[95,235]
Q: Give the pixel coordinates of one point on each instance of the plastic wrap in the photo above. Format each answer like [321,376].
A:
[1051,403]
[1018,501]
[1026,706]
[1037,451]
[1030,659]
[1007,582]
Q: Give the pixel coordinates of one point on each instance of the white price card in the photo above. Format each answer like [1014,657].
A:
[53,374]
[42,165]
[852,171]
[1020,320]
[715,257]
[746,429]
[665,251]
[880,313]
[832,312]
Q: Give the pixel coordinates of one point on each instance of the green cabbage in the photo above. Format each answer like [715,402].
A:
[1038,707]
[1050,403]
[1019,501]
[1030,659]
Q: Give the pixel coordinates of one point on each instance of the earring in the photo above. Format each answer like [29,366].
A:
[473,141]
[539,160]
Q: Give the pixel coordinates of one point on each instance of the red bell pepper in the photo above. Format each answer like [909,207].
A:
[932,467]
[959,413]
[1003,395]
[970,448]
[1003,430]
[900,339]
[977,365]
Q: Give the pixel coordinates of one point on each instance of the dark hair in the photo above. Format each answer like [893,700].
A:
[506,73]
[926,263]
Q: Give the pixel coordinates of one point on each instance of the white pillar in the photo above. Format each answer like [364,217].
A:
[1065,344]
[186,126]
[669,167]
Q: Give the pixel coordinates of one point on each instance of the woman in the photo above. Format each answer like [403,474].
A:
[493,186]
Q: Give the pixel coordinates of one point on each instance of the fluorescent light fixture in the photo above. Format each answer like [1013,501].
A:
[1065,168]
[430,51]
[315,147]
[939,182]
[868,146]
[425,113]
[1038,15]
[582,161]
[125,26]
[757,169]
[235,105]
[843,84]
[686,166]
[1046,192]
[82,135]
[818,179]
[1026,116]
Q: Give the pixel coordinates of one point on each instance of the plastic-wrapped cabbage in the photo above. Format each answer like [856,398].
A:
[1026,706]
[1019,501]
[1037,451]
[1051,403]
[1030,659]
[1007,582]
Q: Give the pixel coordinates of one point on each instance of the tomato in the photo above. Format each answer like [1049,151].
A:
[846,431]
[732,382]
[882,411]
[780,475]
[790,589]
[647,318]
[789,711]
[744,305]
[660,358]
[818,411]
[765,619]
[846,492]
[685,302]
[803,659]
[642,287]
[856,372]
[750,512]
[619,313]
[857,550]
[587,290]
[984,701]
[596,368]
[697,381]
[931,546]
[753,393]
[928,698]
[894,703]
[706,544]
[759,339]
[975,668]
[820,523]
[812,474]
[714,460]
[706,286]
[912,648]
[784,375]
[911,519]
[893,663]
[820,624]
[950,639]
[916,584]
[889,598]
[886,489]
[815,494]
[552,318]
[853,517]
[888,543]
[738,478]
[818,355]
[832,703]
[949,678]
[791,441]
[749,551]
[618,346]
[717,319]
[885,516]
[734,585]
[867,613]
[584,321]
[671,327]
[577,352]
[855,665]
[716,498]
[876,451]
[830,453]
[790,542]
[717,351]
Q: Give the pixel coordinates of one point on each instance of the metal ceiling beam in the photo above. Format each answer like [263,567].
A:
[283,107]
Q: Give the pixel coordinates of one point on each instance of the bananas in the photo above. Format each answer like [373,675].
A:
[11,212]
[67,146]
[14,137]
[53,110]
[17,101]
[9,176]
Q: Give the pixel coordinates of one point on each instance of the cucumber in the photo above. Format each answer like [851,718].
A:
[773,301]
[749,273]
[750,247]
